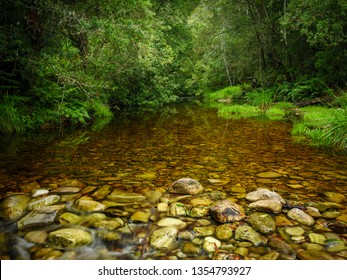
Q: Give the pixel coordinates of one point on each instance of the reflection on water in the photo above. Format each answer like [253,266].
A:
[140,153]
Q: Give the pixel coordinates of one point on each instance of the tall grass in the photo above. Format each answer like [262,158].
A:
[325,127]
[263,99]
[336,131]
[10,117]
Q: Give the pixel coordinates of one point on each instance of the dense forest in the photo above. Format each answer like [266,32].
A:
[71,62]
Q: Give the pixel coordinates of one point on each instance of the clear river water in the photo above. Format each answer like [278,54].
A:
[66,182]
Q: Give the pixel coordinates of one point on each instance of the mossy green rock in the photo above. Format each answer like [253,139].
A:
[172,222]
[69,218]
[295,231]
[262,222]
[43,201]
[41,217]
[245,232]
[191,249]
[334,197]
[211,244]
[140,217]
[87,204]
[224,232]
[69,238]
[117,196]
[269,175]
[14,206]
[301,217]
[314,255]
[163,238]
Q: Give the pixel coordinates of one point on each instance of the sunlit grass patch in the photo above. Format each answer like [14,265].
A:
[317,116]
[275,113]
[238,111]
[283,105]
[225,93]
[323,127]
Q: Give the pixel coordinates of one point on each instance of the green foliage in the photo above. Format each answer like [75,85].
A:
[238,111]
[283,105]
[299,128]
[336,131]
[10,115]
[225,93]
[261,98]
[324,127]
[275,113]
[303,89]
[70,62]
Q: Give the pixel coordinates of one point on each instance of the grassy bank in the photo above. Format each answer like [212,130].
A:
[321,125]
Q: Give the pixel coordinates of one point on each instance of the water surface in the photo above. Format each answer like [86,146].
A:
[151,151]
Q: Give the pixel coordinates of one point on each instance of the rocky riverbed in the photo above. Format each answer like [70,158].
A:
[80,219]
[110,194]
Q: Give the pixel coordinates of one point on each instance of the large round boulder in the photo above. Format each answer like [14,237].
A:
[226,211]
[186,186]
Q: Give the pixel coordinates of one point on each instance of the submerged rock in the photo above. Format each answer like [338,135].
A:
[245,232]
[281,246]
[264,194]
[87,204]
[186,186]
[295,231]
[43,201]
[178,209]
[41,217]
[262,222]
[317,238]
[199,212]
[69,238]
[73,183]
[272,206]
[334,197]
[204,231]
[153,196]
[122,197]
[191,249]
[211,244]
[224,232]
[335,245]
[12,207]
[314,255]
[163,238]
[226,211]
[172,222]
[108,223]
[140,217]
[338,227]
[37,236]
[301,217]
[269,175]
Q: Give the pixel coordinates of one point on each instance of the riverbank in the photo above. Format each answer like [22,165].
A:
[322,122]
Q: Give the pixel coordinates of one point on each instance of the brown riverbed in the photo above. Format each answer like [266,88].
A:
[141,153]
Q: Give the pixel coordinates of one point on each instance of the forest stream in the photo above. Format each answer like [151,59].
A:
[110,193]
